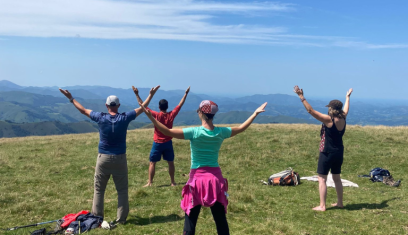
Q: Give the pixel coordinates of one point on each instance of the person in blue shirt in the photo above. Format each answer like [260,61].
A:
[111,158]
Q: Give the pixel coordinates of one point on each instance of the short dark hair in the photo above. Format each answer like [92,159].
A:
[163,105]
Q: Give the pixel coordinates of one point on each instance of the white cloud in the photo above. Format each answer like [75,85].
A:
[386,46]
[365,45]
[159,19]
[188,20]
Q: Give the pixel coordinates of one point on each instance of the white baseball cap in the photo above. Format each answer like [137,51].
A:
[112,100]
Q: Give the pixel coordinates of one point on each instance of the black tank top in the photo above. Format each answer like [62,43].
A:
[331,138]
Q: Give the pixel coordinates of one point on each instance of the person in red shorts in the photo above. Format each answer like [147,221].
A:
[162,144]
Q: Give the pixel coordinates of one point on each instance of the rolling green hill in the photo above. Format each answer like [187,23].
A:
[41,128]
[8,129]
[38,104]
[45,178]
[29,114]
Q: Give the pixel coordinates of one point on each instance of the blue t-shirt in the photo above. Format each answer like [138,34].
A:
[205,144]
[112,131]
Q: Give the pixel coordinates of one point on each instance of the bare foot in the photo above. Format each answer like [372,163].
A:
[319,208]
[173,184]
[338,205]
[147,185]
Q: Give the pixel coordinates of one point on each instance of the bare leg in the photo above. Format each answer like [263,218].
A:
[171,172]
[152,169]
[322,192]
[339,190]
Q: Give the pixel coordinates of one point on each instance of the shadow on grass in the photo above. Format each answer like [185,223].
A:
[169,185]
[360,206]
[154,220]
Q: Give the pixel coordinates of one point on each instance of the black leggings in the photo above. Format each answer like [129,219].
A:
[218,213]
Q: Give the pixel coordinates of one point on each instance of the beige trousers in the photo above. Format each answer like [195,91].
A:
[115,165]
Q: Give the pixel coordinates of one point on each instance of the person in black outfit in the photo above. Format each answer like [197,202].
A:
[331,145]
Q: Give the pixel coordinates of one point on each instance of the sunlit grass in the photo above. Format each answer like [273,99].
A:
[44,178]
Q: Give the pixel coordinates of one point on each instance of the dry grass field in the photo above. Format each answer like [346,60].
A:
[45,178]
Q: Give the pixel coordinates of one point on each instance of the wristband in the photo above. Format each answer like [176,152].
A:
[71,100]
[302,99]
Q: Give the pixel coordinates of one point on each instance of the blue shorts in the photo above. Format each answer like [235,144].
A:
[159,149]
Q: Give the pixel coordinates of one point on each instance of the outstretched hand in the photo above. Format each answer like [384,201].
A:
[349,92]
[66,93]
[188,90]
[298,91]
[154,89]
[147,112]
[261,108]
[135,90]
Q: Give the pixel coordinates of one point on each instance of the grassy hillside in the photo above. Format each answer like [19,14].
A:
[44,178]
[38,104]
[8,129]
[42,128]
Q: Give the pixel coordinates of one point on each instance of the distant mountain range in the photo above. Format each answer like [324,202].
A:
[23,106]
[9,129]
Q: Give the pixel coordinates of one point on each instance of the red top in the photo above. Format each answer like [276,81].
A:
[167,120]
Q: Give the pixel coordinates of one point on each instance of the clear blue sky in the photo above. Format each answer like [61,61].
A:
[218,47]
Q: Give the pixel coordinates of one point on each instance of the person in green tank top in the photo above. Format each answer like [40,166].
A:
[205,144]
[206,185]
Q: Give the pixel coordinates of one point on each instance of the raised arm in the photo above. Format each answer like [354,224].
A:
[316,114]
[347,104]
[176,133]
[148,99]
[247,123]
[184,97]
[136,91]
[84,111]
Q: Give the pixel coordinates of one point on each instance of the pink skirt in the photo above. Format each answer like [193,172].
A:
[205,187]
